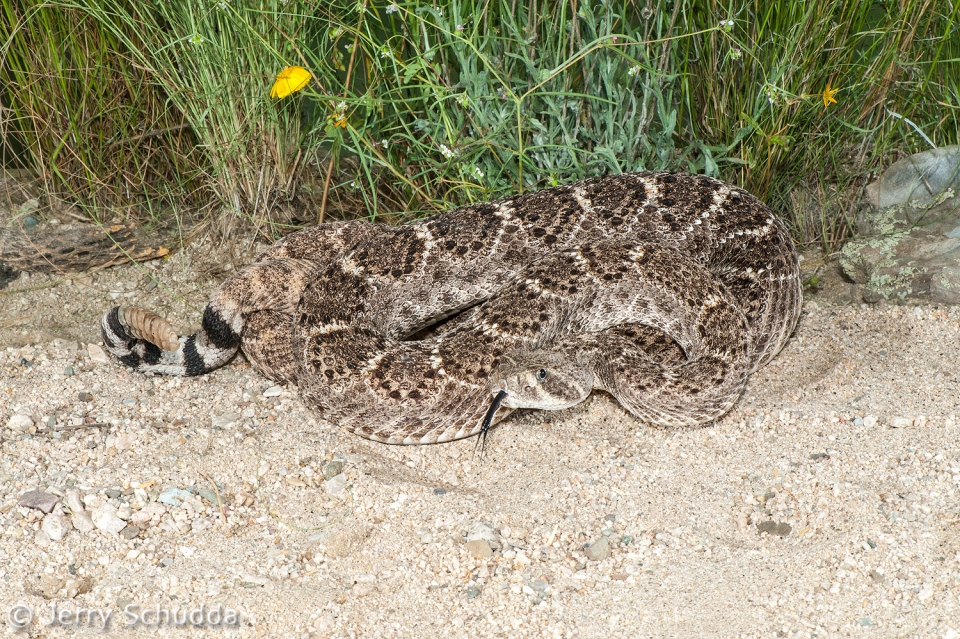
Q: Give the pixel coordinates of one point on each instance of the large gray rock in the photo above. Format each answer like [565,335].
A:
[909,231]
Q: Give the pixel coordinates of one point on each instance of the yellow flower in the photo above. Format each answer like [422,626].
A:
[290,80]
[828,96]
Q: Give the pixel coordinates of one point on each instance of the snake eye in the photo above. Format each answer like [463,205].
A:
[541,374]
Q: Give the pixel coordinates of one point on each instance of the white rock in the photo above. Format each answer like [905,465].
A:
[335,484]
[73,500]
[481,530]
[105,518]
[97,354]
[21,424]
[273,391]
[55,526]
[901,422]
[226,420]
[123,441]
[870,421]
[82,521]
[148,512]
[41,538]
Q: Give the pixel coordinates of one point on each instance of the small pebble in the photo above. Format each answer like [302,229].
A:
[483,531]
[473,591]
[68,371]
[335,484]
[21,424]
[273,391]
[901,422]
[38,500]
[479,549]
[173,496]
[129,401]
[122,442]
[332,469]
[55,526]
[439,491]
[774,528]
[82,521]
[226,420]
[84,396]
[73,501]
[97,354]
[130,532]
[148,512]
[208,495]
[598,550]
[105,518]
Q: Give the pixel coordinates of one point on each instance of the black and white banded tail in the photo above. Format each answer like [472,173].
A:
[196,354]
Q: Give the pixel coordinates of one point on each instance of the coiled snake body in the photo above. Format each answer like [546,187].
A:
[665,290]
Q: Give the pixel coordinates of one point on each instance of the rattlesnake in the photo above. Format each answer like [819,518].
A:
[666,290]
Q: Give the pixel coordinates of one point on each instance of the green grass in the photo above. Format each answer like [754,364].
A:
[93,124]
[417,108]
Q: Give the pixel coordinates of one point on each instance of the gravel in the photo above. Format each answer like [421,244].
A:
[848,444]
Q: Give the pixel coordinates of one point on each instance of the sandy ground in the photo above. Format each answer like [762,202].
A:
[825,504]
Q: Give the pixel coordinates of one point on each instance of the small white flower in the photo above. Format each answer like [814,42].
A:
[735,54]
[634,70]
[196,39]
[477,173]
[384,144]
[222,4]
[386,51]
[726,25]
[361,6]
[445,151]
[341,106]
[392,8]
[463,99]
[773,93]
[646,13]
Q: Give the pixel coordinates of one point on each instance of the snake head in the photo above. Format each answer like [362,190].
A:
[548,380]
